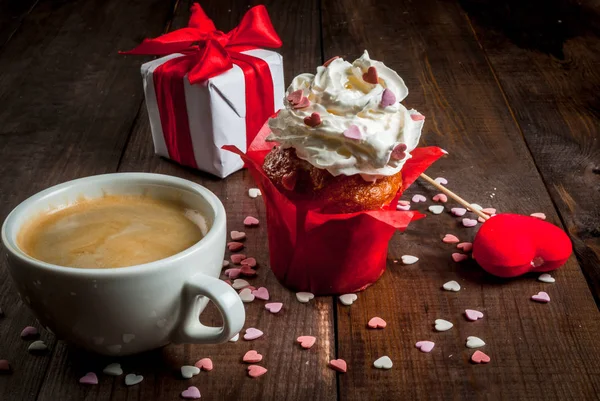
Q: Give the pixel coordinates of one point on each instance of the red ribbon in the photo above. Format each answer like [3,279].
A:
[208,53]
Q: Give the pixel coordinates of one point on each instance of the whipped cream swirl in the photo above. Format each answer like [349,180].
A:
[359,125]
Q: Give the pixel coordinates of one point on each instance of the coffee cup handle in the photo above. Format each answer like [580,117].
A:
[224,297]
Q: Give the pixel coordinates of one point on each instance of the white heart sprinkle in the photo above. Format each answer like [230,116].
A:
[235,338]
[37,346]
[436,209]
[304,297]
[187,372]
[443,325]
[441,180]
[451,286]
[476,206]
[383,363]
[409,259]
[348,299]
[114,369]
[239,283]
[246,295]
[546,278]
[133,379]
[254,192]
[127,338]
[474,342]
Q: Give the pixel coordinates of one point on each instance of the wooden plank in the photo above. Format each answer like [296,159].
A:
[12,13]
[549,79]
[294,374]
[68,104]
[538,351]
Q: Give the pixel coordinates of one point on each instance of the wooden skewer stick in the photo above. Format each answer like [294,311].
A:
[454,196]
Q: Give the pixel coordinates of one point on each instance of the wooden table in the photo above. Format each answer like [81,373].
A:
[510,90]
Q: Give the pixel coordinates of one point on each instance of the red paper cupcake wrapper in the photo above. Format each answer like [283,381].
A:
[329,253]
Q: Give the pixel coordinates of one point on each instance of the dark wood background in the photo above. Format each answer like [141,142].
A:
[509,88]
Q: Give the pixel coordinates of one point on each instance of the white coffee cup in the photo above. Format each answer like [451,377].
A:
[131,309]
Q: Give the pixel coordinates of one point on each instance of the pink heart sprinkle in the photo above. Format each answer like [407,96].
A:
[404,202]
[473,315]
[261,293]
[204,364]
[441,180]
[541,216]
[252,356]
[459,257]
[353,132]
[274,307]
[234,246]
[458,211]
[29,331]
[250,262]
[250,221]
[425,346]
[480,357]
[233,273]
[418,198]
[469,222]
[489,211]
[237,258]
[302,104]
[306,341]
[417,117]
[255,371]
[252,334]
[313,120]
[398,153]
[4,365]
[192,393]
[339,365]
[465,246]
[295,97]
[89,378]
[450,239]
[403,207]
[387,98]
[481,219]
[440,198]
[377,323]
[238,235]
[541,297]
[247,271]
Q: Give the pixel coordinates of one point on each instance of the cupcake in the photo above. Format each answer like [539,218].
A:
[331,166]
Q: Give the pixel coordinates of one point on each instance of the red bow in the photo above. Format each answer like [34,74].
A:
[209,50]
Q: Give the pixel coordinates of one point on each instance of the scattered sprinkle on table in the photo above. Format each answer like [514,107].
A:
[348,299]
[255,371]
[450,239]
[274,307]
[479,357]
[458,211]
[459,257]
[29,331]
[339,365]
[252,356]
[187,371]
[304,297]
[89,378]
[436,209]
[441,181]
[425,346]
[383,363]
[546,278]
[192,393]
[37,346]
[418,198]
[473,315]
[443,325]
[250,221]
[261,293]
[204,364]
[113,369]
[541,297]
[254,192]
[540,216]
[440,198]
[306,342]
[377,323]
[132,379]
[252,334]
[474,342]
[409,259]
[451,286]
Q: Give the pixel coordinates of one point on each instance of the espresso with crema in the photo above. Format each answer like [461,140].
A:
[112,231]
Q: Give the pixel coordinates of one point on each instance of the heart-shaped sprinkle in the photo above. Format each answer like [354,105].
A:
[225,263]
[192,393]
[246,295]
[247,271]
[237,258]
[29,331]
[540,216]
[377,323]
[313,120]
[261,293]
[256,371]
[409,259]
[238,235]
[304,297]
[234,246]
[371,76]
[89,378]
[254,192]
[233,273]
[234,338]
[489,211]
[436,209]
[204,364]
[387,98]
[546,278]
[239,284]
[37,346]
[250,221]
[479,357]
[465,246]
[425,346]
[383,363]
[473,315]
[306,341]
[542,297]
[450,239]
[274,307]
[402,207]
[353,132]
[113,369]
[459,257]
[132,379]
[339,365]
[440,198]
[252,357]
[441,180]
[417,117]
[250,262]
[451,286]
[443,325]
[418,198]
[475,206]
[326,64]
[252,334]
[469,222]
[304,103]
[481,219]
[399,152]
[295,96]
[348,299]
[4,365]
[187,371]
[458,211]
[404,202]
[474,342]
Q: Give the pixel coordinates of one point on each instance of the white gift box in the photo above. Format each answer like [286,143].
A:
[216,111]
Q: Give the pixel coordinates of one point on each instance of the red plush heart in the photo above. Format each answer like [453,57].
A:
[509,245]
